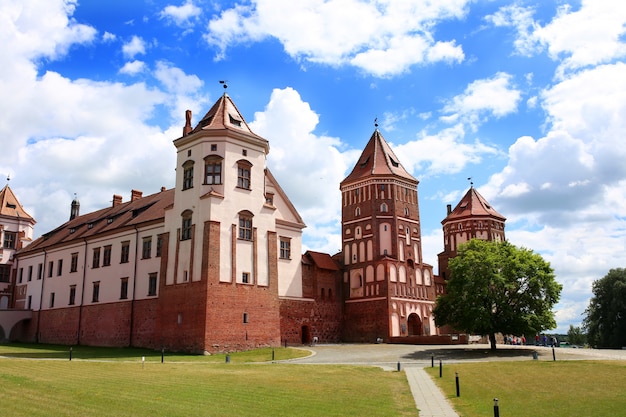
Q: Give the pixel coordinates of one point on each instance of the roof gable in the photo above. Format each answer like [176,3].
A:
[11,207]
[473,204]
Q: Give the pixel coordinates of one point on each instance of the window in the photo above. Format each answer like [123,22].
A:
[159,246]
[51,300]
[21,275]
[124,288]
[243,174]
[30,272]
[106,256]
[59,267]
[29,305]
[5,270]
[72,295]
[246,318]
[50,267]
[187,175]
[125,252]
[9,240]
[269,198]
[213,170]
[152,283]
[285,248]
[185,231]
[146,248]
[96,258]
[74,262]
[383,208]
[245,225]
[245,277]
[213,147]
[95,295]
[39,271]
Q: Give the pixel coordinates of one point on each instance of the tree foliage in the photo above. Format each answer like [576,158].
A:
[498,288]
[575,336]
[605,320]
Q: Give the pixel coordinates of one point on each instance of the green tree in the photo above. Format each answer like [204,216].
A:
[498,288]
[575,336]
[605,320]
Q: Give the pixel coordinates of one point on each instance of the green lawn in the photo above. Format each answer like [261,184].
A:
[533,388]
[182,387]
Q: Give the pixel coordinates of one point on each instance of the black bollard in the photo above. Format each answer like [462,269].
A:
[399,367]
[496,408]
[553,354]
[70,353]
[227,358]
[272,354]
[440,369]
[162,354]
[432,361]
[458,390]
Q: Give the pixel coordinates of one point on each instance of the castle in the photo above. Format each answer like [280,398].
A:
[215,263]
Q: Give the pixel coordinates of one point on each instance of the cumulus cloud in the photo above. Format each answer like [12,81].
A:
[133,67]
[181,15]
[382,38]
[136,46]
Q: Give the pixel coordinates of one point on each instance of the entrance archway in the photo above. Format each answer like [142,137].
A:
[414,325]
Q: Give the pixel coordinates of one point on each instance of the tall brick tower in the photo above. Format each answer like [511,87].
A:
[472,218]
[388,290]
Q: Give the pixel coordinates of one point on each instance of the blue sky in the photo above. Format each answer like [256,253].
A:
[525,97]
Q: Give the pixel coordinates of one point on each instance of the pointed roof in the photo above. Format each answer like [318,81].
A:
[473,204]
[11,207]
[377,159]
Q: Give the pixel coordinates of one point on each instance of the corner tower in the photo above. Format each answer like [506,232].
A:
[472,218]
[387,288]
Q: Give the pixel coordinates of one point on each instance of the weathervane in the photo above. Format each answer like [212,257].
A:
[471,182]
[376,123]
[223,82]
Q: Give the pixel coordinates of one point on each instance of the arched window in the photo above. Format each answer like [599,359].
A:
[188,175]
[213,169]
[245,225]
[244,169]
[406,212]
[383,208]
[185,230]
[357,211]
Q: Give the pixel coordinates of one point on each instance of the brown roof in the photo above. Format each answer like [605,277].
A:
[377,159]
[133,213]
[11,207]
[321,260]
[473,204]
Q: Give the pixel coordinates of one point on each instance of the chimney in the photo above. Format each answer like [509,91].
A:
[187,129]
[135,195]
[117,200]
[449,209]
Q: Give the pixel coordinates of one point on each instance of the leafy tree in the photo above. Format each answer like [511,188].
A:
[606,315]
[575,336]
[498,287]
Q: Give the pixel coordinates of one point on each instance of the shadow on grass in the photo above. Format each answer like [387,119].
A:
[471,354]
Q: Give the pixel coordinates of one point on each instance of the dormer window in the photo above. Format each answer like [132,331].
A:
[233,121]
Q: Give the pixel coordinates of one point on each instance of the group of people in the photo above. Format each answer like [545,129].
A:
[514,340]
[540,340]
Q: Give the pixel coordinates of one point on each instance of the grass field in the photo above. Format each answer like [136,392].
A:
[122,385]
[535,388]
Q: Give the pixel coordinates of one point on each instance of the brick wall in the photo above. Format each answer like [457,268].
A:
[366,321]
[105,324]
[59,326]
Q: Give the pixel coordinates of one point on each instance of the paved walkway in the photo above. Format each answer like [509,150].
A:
[428,397]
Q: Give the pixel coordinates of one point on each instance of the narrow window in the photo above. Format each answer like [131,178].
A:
[213,169]
[245,318]
[39,271]
[152,284]
[95,294]
[72,300]
[51,300]
[146,248]
[187,175]
[125,252]
[106,256]
[243,174]
[21,275]
[383,208]
[74,262]
[159,246]
[96,258]
[245,277]
[60,267]
[30,302]
[50,268]
[185,231]
[245,226]
[30,272]
[285,248]
[124,288]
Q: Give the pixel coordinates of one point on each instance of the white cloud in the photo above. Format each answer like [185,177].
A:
[136,46]
[310,177]
[487,97]
[133,67]
[181,15]
[382,38]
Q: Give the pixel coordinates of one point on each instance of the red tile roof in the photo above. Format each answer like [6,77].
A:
[321,260]
[473,204]
[11,207]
